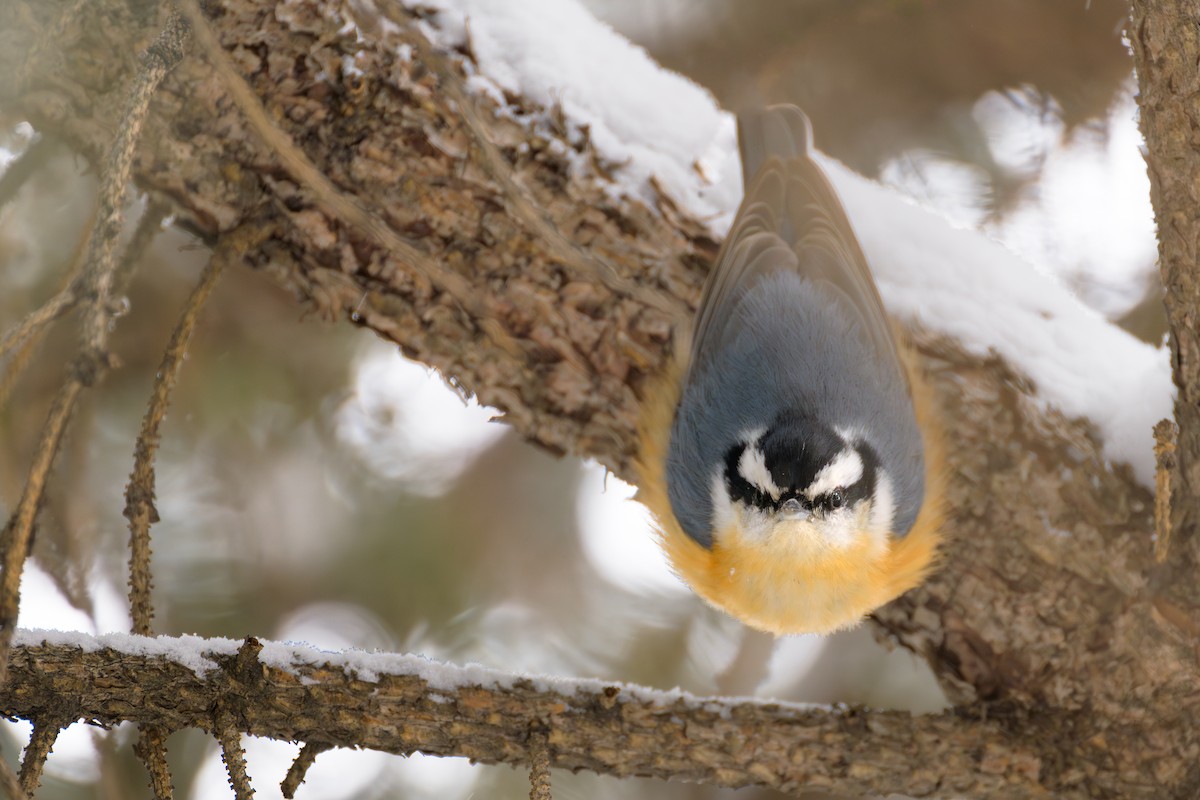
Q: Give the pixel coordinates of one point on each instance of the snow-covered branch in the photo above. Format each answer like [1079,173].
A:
[404,704]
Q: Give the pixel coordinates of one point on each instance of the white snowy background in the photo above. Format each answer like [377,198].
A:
[1010,286]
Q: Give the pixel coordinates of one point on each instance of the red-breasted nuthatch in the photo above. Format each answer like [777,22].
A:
[783,461]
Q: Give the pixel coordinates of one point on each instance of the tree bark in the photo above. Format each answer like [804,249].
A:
[1050,616]
[613,729]
[1165,35]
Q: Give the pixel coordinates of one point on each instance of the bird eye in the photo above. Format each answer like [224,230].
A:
[835,499]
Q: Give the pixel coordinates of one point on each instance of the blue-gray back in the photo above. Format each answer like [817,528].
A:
[790,319]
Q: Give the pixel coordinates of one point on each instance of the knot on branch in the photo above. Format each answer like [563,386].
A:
[91,364]
[247,669]
[171,45]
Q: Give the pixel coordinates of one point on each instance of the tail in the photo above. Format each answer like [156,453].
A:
[781,130]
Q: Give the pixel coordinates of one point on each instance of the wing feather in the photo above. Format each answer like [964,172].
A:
[790,220]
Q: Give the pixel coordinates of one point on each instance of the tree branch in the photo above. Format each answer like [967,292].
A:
[41,742]
[1166,51]
[299,768]
[405,704]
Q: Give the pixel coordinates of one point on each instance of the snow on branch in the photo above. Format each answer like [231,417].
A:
[404,704]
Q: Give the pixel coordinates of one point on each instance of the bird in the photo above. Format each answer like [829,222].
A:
[789,456]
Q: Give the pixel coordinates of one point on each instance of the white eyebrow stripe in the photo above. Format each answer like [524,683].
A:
[883,505]
[845,470]
[753,467]
[723,514]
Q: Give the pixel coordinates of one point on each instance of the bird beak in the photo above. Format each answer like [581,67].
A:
[794,509]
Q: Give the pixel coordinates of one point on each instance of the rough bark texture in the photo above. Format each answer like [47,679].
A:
[1165,36]
[783,746]
[1049,616]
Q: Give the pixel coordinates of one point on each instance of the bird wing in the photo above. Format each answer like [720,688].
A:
[790,219]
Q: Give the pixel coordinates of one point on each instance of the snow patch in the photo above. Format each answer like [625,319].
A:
[442,679]
[655,123]
[652,122]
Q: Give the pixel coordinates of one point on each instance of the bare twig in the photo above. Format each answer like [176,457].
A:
[97,284]
[151,749]
[139,492]
[9,783]
[299,768]
[23,337]
[234,757]
[36,320]
[21,358]
[1164,457]
[539,766]
[18,533]
[41,742]
[157,61]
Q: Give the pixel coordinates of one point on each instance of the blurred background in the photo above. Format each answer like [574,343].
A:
[316,487]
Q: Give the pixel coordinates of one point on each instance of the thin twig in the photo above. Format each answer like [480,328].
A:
[97,283]
[539,766]
[18,533]
[299,768]
[151,748]
[16,365]
[342,206]
[139,492]
[157,61]
[41,742]
[10,784]
[234,757]
[36,329]
[20,359]
[1165,433]
[39,318]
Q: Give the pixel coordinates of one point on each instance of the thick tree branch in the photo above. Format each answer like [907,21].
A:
[1050,611]
[1165,35]
[488,716]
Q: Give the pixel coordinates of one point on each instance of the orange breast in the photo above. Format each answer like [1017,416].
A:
[783,584]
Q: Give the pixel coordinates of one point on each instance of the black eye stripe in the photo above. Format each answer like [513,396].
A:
[832,500]
[861,489]
[745,492]
[739,487]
